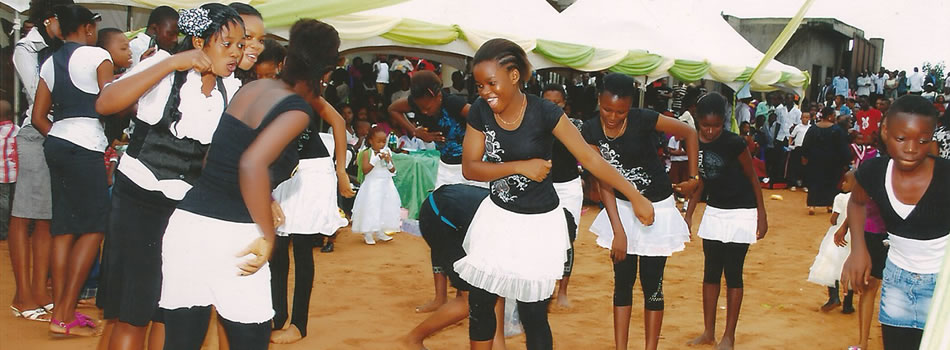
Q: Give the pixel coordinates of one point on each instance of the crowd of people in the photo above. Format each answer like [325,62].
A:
[168,179]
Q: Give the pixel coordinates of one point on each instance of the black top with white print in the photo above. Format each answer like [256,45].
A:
[633,154]
[532,139]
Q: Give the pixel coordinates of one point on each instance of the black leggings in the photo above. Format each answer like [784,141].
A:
[651,281]
[303,277]
[572,235]
[185,329]
[900,338]
[534,318]
[728,258]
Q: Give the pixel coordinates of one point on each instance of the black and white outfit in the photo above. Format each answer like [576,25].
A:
[634,155]
[918,237]
[444,219]
[212,224]
[33,199]
[517,243]
[309,202]
[730,221]
[570,190]
[76,143]
[941,136]
[173,129]
[450,122]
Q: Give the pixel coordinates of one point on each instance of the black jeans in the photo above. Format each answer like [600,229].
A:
[303,277]
[185,329]
[534,318]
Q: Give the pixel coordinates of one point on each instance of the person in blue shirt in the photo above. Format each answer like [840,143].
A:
[840,83]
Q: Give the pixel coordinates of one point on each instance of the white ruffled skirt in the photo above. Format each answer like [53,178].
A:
[729,225]
[667,235]
[309,199]
[518,256]
[450,174]
[830,259]
[571,194]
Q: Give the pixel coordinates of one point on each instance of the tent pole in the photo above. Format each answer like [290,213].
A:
[128,18]
[16,77]
[643,90]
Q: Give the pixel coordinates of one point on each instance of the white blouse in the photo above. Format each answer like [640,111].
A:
[85,132]
[200,115]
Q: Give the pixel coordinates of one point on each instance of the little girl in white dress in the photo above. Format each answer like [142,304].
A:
[376,209]
[834,250]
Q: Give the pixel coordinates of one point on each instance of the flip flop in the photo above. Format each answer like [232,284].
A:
[38,314]
[77,322]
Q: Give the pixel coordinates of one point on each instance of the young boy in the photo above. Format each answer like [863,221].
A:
[911,191]
[8,164]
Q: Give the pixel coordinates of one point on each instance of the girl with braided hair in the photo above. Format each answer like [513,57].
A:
[180,100]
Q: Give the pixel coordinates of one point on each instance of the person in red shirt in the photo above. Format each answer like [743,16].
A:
[868,119]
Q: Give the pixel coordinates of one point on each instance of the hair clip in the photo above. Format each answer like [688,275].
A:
[194,21]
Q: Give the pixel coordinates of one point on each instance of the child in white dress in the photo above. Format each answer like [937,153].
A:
[376,209]
[826,270]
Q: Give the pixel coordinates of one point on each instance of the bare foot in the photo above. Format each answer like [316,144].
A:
[811,211]
[725,344]
[430,307]
[286,336]
[563,302]
[404,343]
[91,302]
[702,339]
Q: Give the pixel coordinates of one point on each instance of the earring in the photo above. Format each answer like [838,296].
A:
[46,22]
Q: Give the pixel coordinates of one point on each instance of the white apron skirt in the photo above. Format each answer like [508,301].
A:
[571,194]
[667,235]
[450,174]
[309,199]
[518,256]
[199,268]
[729,225]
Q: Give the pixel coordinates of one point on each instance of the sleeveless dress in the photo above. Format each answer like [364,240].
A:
[377,204]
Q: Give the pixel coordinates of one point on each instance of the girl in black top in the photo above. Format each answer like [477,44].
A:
[517,241]
[69,83]
[228,212]
[442,120]
[567,184]
[734,217]
[626,138]
[912,193]
[179,99]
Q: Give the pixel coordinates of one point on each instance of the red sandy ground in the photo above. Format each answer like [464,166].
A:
[364,296]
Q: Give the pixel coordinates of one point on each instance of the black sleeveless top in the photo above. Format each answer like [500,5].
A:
[70,101]
[217,193]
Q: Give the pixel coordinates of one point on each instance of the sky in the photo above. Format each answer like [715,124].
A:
[914,31]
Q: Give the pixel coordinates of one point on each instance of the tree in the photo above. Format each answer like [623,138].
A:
[937,69]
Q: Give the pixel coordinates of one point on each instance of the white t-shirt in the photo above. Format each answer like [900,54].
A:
[138,46]
[399,94]
[879,82]
[675,144]
[786,118]
[743,113]
[916,82]
[402,65]
[864,86]
[200,115]
[382,72]
[85,132]
[798,135]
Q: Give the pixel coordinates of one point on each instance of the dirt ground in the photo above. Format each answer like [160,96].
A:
[364,296]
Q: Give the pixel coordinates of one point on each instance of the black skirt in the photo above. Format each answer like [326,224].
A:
[78,186]
[131,281]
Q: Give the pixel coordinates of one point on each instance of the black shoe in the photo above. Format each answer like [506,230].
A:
[848,308]
[318,241]
[831,304]
[327,248]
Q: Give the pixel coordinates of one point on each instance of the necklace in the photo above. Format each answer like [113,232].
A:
[623,128]
[524,102]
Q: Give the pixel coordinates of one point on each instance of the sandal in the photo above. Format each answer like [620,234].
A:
[83,321]
[854,347]
[49,307]
[37,314]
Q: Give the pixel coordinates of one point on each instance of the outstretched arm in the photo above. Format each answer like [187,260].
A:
[567,133]
[690,141]
[123,93]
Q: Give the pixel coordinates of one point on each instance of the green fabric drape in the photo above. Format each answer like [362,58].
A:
[414,32]
[571,55]
[689,71]
[637,63]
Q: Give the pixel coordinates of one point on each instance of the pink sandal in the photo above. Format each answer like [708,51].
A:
[80,321]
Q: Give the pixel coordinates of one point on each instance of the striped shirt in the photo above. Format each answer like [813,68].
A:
[8,152]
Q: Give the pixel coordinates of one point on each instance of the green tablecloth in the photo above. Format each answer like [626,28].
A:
[415,177]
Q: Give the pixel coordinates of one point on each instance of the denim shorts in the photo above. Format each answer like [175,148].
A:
[905,297]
